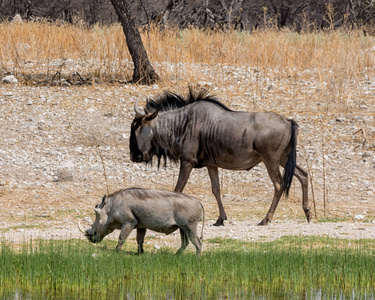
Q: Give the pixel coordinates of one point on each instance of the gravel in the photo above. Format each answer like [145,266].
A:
[63,147]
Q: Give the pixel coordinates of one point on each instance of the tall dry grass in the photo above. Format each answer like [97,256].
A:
[349,53]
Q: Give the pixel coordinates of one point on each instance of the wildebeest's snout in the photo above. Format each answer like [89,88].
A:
[136,158]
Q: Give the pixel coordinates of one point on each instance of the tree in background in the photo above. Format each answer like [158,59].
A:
[144,73]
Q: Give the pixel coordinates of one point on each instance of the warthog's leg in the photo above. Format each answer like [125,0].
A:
[126,229]
[215,186]
[190,233]
[184,241]
[275,175]
[196,241]
[302,176]
[141,232]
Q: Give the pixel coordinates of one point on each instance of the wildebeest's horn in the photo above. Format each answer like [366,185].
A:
[80,229]
[139,111]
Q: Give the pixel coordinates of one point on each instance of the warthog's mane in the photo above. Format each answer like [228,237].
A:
[142,194]
[171,101]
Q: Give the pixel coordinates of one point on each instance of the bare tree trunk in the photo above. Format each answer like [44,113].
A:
[144,73]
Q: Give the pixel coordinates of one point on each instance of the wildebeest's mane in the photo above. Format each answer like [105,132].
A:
[170,101]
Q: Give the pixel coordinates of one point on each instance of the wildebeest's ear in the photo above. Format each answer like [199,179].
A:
[151,116]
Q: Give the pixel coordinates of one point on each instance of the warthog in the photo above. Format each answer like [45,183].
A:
[144,209]
[199,131]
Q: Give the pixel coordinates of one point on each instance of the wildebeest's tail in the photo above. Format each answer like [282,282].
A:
[291,162]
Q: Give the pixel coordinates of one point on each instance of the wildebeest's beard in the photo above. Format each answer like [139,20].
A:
[159,153]
[156,151]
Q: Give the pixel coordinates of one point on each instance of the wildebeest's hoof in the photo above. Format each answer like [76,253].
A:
[220,221]
[309,216]
[264,222]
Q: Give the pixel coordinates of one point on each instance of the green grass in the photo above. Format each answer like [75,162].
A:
[334,219]
[289,267]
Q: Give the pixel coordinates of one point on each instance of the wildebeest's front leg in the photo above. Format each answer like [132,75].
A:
[126,229]
[141,232]
[215,185]
[302,176]
[185,170]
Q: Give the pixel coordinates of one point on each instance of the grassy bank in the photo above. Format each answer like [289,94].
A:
[297,268]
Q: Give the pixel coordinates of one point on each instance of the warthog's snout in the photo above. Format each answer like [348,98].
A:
[89,233]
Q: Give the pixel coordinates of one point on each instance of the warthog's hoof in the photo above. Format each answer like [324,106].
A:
[220,221]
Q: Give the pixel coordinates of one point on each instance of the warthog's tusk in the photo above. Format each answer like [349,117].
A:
[80,229]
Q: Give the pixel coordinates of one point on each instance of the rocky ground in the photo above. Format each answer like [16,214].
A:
[63,147]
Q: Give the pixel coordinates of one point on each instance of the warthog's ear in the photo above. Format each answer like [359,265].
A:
[104,199]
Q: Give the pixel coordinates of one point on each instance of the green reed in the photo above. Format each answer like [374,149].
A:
[285,268]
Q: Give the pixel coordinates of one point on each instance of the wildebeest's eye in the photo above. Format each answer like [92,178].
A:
[136,123]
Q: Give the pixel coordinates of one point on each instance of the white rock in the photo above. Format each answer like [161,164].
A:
[17,19]
[9,79]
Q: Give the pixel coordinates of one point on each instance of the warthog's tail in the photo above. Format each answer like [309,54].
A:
[291,162]
[202,221]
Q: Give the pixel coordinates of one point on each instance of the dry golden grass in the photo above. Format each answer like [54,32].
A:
[337,60]
[347,53]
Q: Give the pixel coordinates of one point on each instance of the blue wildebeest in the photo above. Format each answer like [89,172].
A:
[199,131]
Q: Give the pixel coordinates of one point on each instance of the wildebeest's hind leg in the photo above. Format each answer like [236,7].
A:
[215,185]
[184,241]
[275,175]
[302,176]
[141,232]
